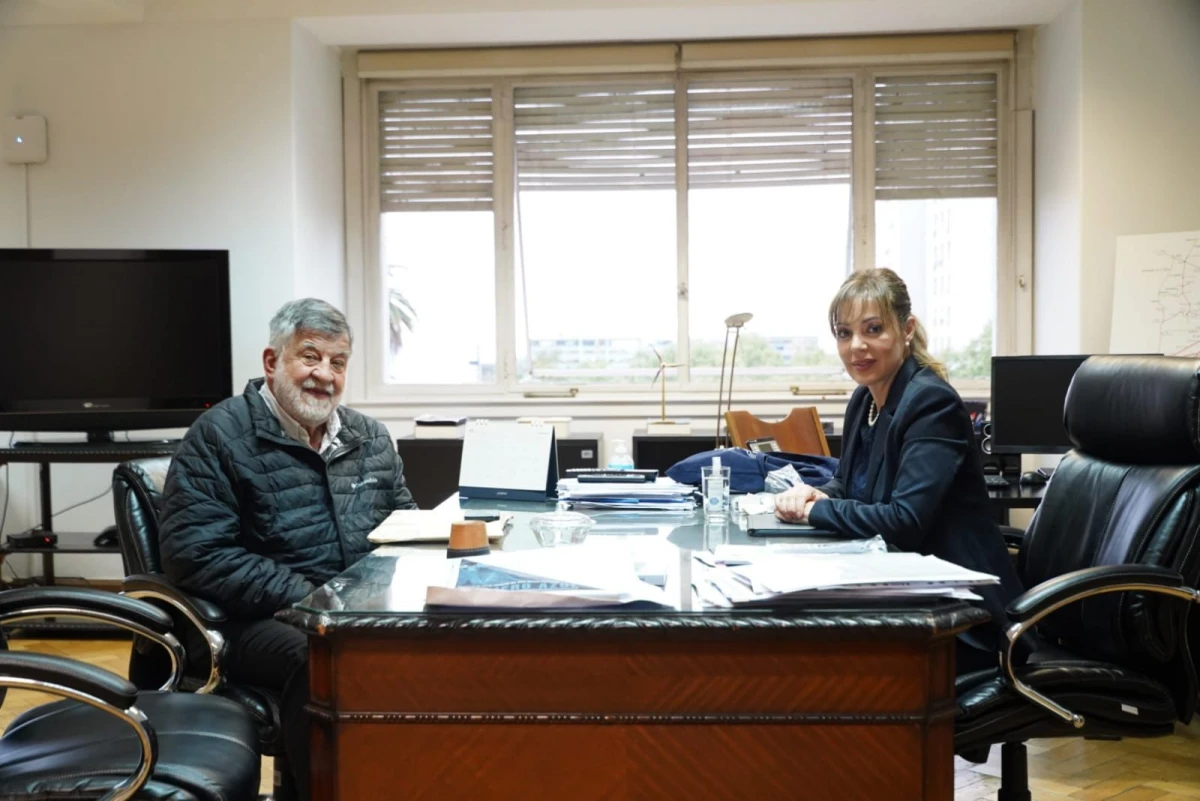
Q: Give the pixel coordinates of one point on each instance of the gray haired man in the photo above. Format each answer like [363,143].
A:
[273,493]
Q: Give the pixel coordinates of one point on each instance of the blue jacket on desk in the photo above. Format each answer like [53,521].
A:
[925,486]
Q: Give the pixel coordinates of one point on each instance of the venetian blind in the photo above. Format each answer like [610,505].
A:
[595,137]
[775,132]
[435,150]
[936,137]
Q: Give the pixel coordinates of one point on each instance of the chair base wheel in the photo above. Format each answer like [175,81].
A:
[284,789]
[1014,773]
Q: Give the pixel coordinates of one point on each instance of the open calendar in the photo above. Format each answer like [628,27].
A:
[506,460]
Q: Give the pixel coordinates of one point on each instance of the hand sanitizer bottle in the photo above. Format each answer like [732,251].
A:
[715,484]
[620,459]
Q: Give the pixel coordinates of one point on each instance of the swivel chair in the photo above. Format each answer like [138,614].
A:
[108,740]
[137,495]
[1111,560]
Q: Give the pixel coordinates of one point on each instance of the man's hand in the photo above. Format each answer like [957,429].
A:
[793,505]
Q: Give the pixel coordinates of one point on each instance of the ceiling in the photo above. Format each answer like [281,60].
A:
[367,23]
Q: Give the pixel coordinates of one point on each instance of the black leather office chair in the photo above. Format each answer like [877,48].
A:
[108,739]
[137,492]
[1110,560]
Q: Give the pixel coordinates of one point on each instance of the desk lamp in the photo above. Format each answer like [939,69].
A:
[733,321]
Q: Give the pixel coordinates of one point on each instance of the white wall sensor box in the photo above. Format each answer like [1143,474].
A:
[24,139]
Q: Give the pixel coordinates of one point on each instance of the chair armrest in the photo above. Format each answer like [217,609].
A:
[1079,584]
[28,602]
[130,614]
[78,676]
[96,687]
[205,616]
[203,611]
[1025,611]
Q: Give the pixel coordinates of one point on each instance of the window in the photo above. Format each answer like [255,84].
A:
[936,179]
[436,236]
[538,228]
[595,213]
[769,222]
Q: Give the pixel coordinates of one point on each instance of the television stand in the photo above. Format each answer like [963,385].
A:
[45,454]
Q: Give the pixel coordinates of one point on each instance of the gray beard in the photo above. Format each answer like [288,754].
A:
[303,409]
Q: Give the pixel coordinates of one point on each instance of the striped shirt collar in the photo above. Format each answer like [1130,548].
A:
[293,429]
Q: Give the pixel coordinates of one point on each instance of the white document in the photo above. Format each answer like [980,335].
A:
[774,576]
[430,525]
[786,573]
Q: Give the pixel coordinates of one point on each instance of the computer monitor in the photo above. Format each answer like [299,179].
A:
[1028,396]
[112,340]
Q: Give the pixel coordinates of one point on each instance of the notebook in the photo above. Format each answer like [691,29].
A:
[768,525]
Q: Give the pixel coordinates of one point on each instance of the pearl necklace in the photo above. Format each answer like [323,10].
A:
[872,413]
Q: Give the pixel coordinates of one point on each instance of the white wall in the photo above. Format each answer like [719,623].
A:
[1117,113]
[163,136]
[200,135]
[1058,139]
[462,22]
[319,222]
[1141,123]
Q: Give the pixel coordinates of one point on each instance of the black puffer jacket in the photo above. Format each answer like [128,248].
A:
[254,520]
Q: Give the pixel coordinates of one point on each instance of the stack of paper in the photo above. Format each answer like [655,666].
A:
[729,554]
[664,494]
[785,577]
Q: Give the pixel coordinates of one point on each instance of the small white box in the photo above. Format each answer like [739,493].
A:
[24,139]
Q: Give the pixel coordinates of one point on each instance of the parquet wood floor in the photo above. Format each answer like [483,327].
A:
[1164,769]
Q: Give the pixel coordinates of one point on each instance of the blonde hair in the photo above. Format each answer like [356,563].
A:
[890,293]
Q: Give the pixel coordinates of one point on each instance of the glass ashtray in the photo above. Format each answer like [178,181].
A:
[560,528]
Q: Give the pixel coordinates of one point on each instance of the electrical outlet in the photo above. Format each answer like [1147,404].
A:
[24,140]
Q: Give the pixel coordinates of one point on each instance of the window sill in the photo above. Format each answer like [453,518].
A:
[698,405]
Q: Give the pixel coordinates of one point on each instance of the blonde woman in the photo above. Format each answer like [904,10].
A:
[909,470]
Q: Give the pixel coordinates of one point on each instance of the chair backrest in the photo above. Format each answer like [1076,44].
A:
[799,432]
[1129,493]
[137,499]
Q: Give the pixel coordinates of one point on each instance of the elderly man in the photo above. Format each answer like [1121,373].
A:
[273,493]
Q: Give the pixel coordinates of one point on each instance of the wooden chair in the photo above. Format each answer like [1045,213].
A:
[799,432]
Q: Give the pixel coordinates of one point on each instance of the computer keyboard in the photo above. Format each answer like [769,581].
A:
[996,481]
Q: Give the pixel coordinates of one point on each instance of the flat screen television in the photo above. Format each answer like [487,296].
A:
[112,340]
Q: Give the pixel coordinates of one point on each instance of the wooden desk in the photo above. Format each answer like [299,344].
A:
[825,704]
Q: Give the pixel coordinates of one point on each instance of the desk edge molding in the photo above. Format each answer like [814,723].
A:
[900,623]
[937,714]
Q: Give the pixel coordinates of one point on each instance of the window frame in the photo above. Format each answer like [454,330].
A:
[366,281]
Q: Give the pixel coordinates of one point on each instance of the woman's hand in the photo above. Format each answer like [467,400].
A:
[793,505]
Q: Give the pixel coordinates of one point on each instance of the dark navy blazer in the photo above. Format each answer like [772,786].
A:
[925,486]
